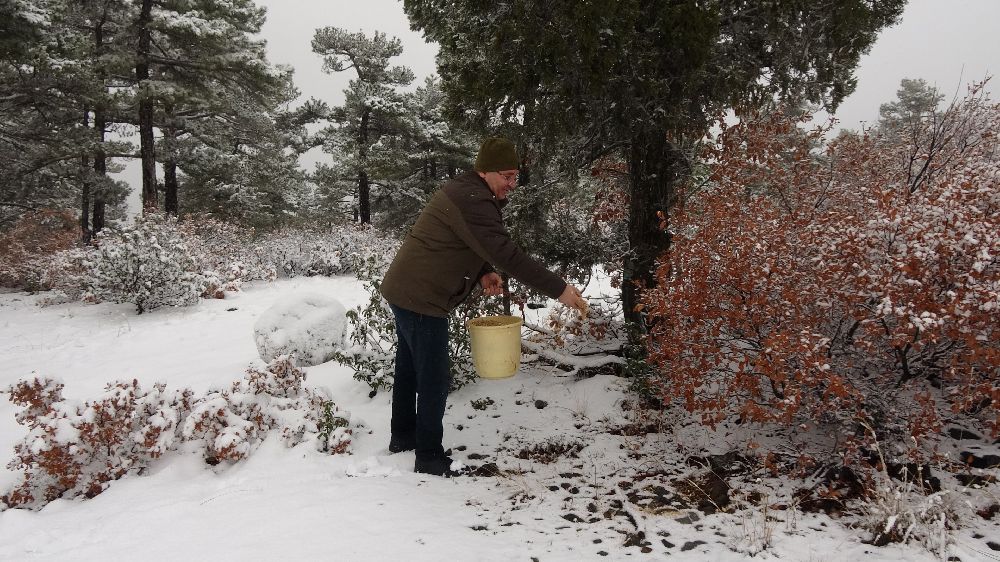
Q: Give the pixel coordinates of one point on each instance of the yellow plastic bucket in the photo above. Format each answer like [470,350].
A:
[496,345]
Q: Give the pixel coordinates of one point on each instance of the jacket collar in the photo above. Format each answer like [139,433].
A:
[500,202]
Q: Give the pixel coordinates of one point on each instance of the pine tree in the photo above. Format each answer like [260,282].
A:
[103,23]
[243,167]
[367,130]
[196,59]
[641,79]
[55,95]
[20,26]
[218,106]
[190,70]
[32,150]
[431,152]
[915,102]
[440,147]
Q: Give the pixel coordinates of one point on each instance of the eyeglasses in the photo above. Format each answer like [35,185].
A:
[509,176]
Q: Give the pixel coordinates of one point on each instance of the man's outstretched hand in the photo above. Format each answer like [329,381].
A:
[492,284]
[571,296]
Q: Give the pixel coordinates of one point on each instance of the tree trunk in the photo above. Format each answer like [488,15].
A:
[98,222]
[85,188]
[364,196]
[100,168]
[525,164]
[100,127]
[364,190]
[170,186]
[149,196]
[656,167]
[170,164]
[85,232]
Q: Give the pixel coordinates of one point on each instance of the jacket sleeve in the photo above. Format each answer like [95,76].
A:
[481,227]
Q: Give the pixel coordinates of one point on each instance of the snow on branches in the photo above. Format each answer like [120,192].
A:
[159,261]
[146,264]
[575,342]
[75,448]
[853,281]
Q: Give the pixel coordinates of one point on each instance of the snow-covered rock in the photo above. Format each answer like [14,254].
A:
[311,326]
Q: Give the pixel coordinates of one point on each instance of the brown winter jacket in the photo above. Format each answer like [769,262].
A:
[457,239]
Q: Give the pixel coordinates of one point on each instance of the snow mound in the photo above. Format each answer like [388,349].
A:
[309,326]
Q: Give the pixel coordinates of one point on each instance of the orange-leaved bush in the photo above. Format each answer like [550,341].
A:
[27,245]
[73,448]
[835,283]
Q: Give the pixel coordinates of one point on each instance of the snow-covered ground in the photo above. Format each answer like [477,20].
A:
[577,476]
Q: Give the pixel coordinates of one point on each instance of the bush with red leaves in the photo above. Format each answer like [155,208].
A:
[854,282]
[27,245]
[76,449]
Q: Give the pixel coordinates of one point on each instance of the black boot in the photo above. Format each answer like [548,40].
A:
[400,443]
[438,466]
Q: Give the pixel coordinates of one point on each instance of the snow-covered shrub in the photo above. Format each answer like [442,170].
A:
[27,247]
[334,430]
[76,449]
[370,352]
[159,261]
[902,511]
[579,341]
[272,397]
[147,264]
[908,510]
[372,340]
[857,283]
[336,252]
[227,254]
[215,286]
[309,327]
[232,423]
[66,274]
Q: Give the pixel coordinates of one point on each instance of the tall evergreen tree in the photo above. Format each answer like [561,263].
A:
[55,95]
[440,149]
[104,21]
[241,161]
[367,127]
[145,101]
[639,79]
[194,59]
[191,70]
[217,110]
[35,163]
[21,24]
[431,152]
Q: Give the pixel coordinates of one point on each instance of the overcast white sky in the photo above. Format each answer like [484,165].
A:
[291,24]
[946,42]
[949,43]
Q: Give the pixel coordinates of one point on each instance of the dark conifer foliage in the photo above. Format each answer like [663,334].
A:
[641,80]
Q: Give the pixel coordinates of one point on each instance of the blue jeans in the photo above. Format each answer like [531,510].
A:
[422,379]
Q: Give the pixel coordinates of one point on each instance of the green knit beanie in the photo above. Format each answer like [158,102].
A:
[496,154]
